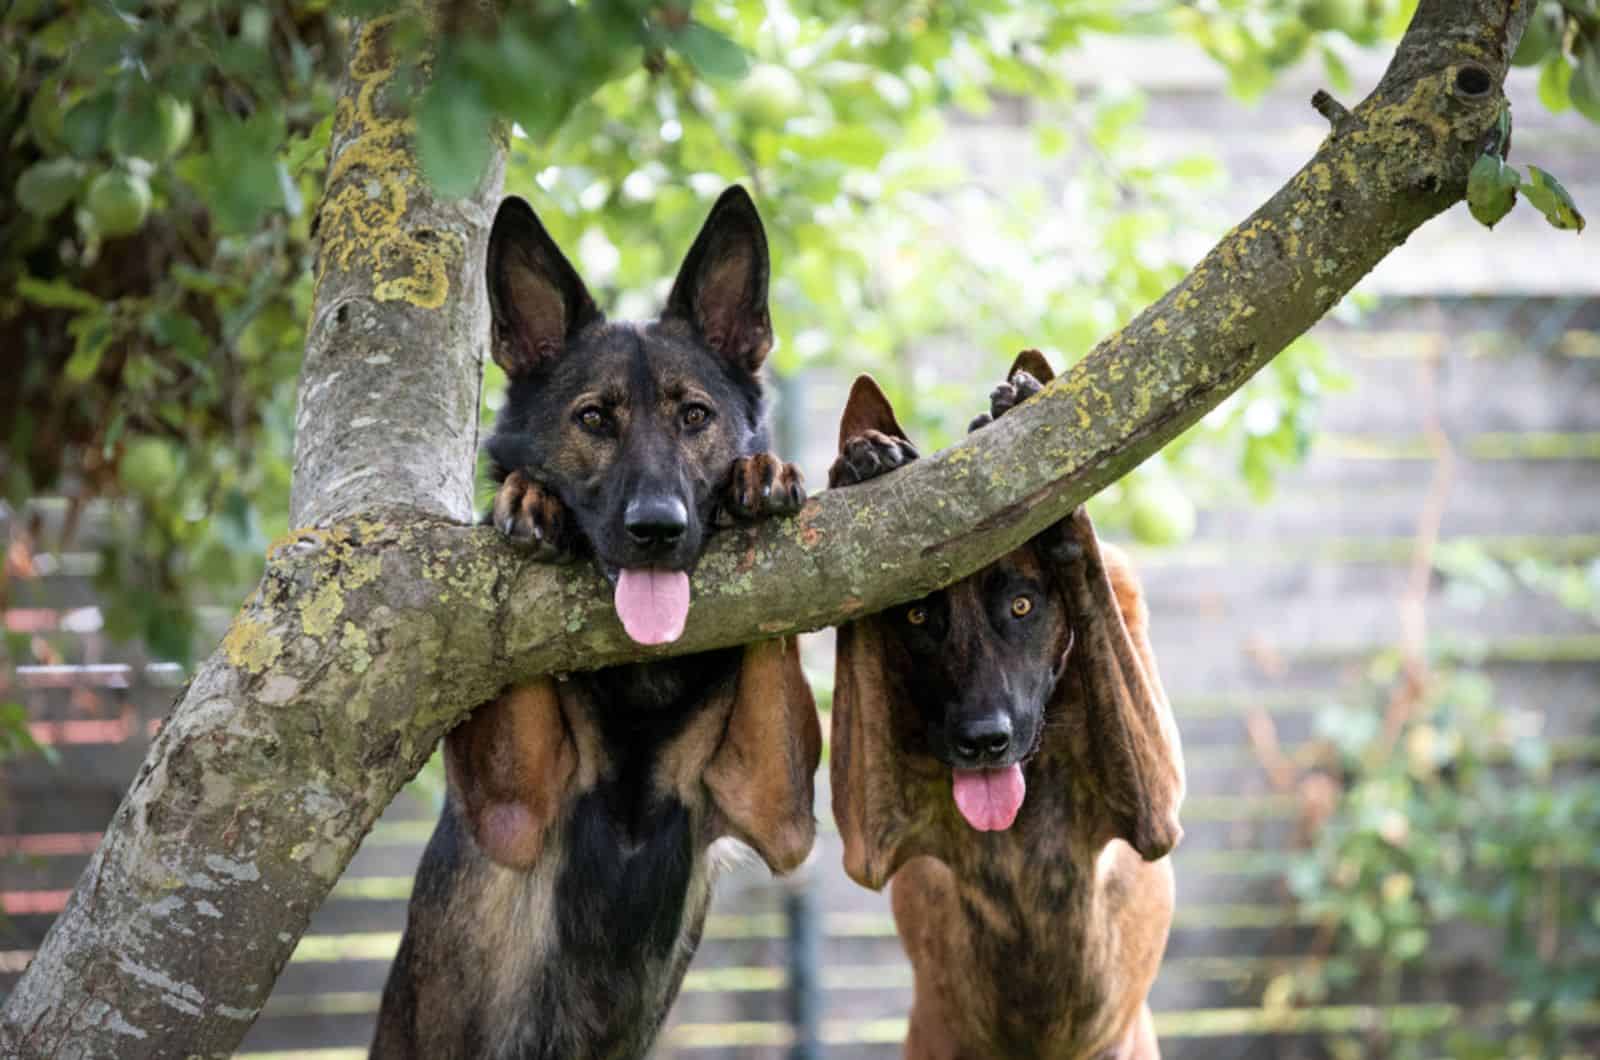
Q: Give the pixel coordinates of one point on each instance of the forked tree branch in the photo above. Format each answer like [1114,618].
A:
[372,634]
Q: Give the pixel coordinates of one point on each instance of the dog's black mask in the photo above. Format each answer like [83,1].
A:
[635,426]
[980,660]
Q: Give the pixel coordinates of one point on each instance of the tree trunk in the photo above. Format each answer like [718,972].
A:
[380,627]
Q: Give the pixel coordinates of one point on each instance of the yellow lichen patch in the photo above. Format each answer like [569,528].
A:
[360,568]
[354,642]
[251,646]
[322,609]
[370,183]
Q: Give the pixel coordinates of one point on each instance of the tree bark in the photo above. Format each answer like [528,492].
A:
[382,625]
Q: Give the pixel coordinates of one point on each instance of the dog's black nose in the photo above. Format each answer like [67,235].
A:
[981,741]
[655,521]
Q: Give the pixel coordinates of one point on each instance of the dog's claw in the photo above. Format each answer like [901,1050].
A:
[532,516]
[762,485]
[868,455]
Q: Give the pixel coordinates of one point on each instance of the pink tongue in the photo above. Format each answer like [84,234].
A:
[653,604]
[989,798]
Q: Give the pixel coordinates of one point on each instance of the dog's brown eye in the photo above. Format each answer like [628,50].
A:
[1021,606]
[592,419]
[696,416]
[917,615]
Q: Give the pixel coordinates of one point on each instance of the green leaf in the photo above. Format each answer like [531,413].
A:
[56,294]
[453,130]
[179,331]
[1542,35]
[311,148]
[1553,82]
[854,145]
[85,126]
[45,188]
[710,52]
[1553,200]
[237,175]
[93,334]
[1050,139]
[151,125]
[1584,91]
[1338,73]
[1491,189]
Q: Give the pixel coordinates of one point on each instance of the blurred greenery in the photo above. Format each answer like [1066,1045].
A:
[1461,814]
[163,158]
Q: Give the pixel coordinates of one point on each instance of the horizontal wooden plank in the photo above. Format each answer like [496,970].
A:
[1206,1025]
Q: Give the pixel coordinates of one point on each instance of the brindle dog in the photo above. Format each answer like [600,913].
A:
[1003,749]
[563,892]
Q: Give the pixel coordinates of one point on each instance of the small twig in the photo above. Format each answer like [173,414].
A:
[1550,914]
[1263,732]
[1329,107]
[1414,602]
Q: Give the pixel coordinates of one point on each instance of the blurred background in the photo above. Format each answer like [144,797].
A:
[1374,573]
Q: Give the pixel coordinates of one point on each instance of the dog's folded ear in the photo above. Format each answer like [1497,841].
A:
[867,409]
[1111,681]
[886,812]
[721,289]
[513,763]
[1033,362]
[761,776]
[536,299]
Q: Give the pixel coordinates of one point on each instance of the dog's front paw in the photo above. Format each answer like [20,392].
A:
[868,455]
[1007,396]
[763,485]
[531,515]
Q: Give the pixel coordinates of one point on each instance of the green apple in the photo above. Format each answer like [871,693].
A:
[148,467]
[119,201]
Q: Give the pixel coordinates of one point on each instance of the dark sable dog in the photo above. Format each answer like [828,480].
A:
[1003,750]
[563,892]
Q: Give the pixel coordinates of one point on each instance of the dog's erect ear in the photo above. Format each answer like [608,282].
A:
[513,764]
[761,777]
[867,409]
[721,289]
[536,300]
[1033,362]
[888,811]
[1110,681]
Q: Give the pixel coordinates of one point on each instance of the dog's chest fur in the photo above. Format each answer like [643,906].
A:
[1015,936]
[630,878]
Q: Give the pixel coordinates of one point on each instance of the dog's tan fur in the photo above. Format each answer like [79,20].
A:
[1042,940]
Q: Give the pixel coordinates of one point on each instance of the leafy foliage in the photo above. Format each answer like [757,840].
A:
[1492,186]
[155,276]
[1563,40]
[1463,813]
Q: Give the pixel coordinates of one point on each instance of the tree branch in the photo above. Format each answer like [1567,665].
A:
[389,389]
[368,637]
